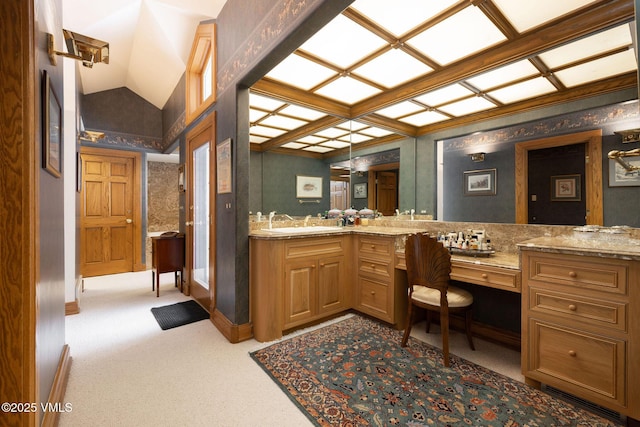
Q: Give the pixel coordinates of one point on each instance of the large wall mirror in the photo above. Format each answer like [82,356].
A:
[375,80]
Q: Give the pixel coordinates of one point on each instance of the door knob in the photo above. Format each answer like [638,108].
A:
[129,220]
[188,223]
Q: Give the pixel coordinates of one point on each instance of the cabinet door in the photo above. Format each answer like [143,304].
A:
[300,292]
[331,290]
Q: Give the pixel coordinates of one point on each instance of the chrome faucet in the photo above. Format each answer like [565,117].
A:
[413,211]
[306,220]
[259,216]
[271,215]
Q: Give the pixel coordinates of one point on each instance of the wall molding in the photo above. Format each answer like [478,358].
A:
[58,389]
[232,332]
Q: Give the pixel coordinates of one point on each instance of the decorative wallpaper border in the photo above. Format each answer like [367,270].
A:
[285,14]
[581,120]
[175,130]
[124,140]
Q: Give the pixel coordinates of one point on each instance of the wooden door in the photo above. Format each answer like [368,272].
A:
[108,216]
[387,192]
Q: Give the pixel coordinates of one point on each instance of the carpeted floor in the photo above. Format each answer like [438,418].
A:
[354,372]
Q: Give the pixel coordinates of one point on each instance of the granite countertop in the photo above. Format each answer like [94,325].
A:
[323,231]
[606,246]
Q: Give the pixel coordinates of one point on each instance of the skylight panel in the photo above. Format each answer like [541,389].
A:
[342,42]
[266,131]
[311,139]
[264,102]
[503,75]
[444,95]
[257,139]
[590,46]
[282,122]
[318,149]
[525,15]
[376,132]
[399,110]
[255,115]
[332,133]
[404,15]
[467,106]
[302,113]
[358,137]
[524,90]
[393,68]
[347,89]
[294,145]
[424,118]
[300,72]
[468,31]
[336,144]
[602,68]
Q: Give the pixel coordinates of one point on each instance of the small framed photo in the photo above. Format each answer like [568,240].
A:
[360,191]
[565,188]
[181,179]
[308,187]
[621,177]
[223,166]
[51,128]
[480,182]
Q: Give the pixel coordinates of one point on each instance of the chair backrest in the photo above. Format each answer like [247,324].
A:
[428,262]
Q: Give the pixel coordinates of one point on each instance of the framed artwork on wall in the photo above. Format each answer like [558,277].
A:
[480,182]
[360,191]
[308,187]
[565,188]
[621,177]
[51,128]
[223,166]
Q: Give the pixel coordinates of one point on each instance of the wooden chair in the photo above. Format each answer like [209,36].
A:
[428,270]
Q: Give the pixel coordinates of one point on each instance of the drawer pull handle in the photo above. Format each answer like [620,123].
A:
[322,265]
[572,353]
[572,307]
[313,266]
[573,274]
[373,266]
[484,275]
[373,292]
[373,246]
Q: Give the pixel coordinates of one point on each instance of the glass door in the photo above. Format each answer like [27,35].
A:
[200,232]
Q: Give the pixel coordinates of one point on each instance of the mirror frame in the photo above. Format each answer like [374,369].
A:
[593,172]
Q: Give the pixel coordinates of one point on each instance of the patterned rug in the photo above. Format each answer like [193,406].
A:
[354,373]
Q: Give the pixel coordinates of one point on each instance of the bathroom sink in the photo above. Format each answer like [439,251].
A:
[296,230]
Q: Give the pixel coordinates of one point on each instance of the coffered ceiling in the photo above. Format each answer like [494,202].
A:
[378,72]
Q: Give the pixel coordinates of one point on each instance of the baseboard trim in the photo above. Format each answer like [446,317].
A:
[71,307]
[232,332]
[58,389]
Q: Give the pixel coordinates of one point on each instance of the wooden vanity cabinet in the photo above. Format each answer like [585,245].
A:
[297,281]
[376,292]
[580,327]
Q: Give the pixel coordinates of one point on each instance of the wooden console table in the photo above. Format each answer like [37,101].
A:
[167,256]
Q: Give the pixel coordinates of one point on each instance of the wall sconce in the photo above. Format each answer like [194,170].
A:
[477,157]
[82,48]
[631,135]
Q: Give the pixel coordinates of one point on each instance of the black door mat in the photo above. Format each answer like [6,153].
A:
[182,313]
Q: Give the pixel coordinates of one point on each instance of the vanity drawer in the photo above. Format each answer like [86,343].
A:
[595,273]
[378,247]
[380,269]
[588,311]
[316,246]
[494,277]
[373,299]
[590,366]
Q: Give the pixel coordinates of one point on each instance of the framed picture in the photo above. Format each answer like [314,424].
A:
[181,182]
[565,188]
[360,191]
[480,182]
[620,177]
[223,166]
[308,187]
[51,128]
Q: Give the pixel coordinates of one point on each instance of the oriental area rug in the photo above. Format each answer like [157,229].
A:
[354,373]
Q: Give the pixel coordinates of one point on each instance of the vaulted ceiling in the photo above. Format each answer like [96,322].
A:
[377,73]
